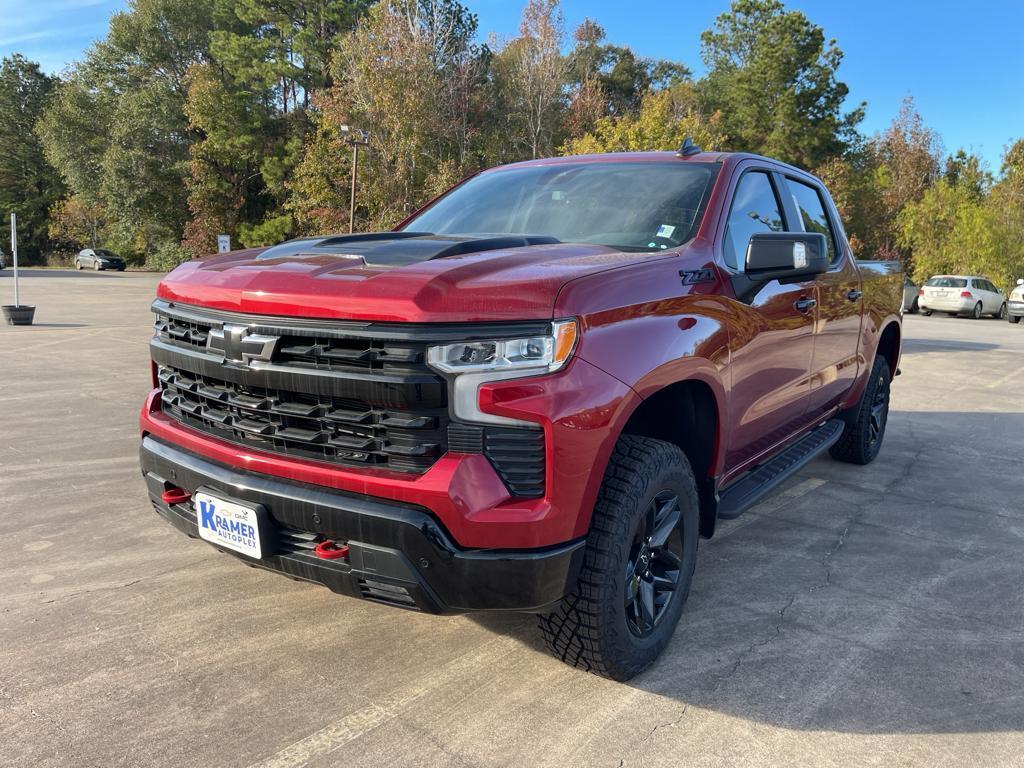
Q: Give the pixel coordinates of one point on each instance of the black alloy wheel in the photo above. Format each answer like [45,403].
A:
[654,564]
[879,409]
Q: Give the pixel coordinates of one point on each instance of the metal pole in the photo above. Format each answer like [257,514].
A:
[352,199]
[14,254]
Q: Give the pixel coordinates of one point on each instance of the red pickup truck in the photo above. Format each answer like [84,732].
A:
[535,394]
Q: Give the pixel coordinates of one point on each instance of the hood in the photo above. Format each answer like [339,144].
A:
[394,277]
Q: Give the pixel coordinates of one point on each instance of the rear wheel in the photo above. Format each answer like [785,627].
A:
[78,264]
[638,564]
[976,312]
[913,307]
[927,313]
[865,426]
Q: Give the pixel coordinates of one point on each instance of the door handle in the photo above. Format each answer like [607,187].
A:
[804,304]
[854,294]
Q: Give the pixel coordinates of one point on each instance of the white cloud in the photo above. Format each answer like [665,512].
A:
[25,37]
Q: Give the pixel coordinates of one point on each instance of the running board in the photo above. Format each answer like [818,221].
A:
[745,492]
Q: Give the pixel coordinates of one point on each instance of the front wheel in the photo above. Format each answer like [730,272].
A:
[637,567]
[865,423]
[1013,318]
[78,265]
[927,313]
[96,266]
[1002,312]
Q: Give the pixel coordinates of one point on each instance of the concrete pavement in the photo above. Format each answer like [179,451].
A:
[860,616]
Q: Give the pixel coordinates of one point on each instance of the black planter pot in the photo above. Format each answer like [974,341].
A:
[18,315]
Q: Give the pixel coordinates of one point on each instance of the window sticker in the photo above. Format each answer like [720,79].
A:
[665,231]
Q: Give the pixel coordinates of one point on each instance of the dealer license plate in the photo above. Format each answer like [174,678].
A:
[228,524]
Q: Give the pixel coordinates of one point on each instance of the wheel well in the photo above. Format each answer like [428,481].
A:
[889,345]
[685,414]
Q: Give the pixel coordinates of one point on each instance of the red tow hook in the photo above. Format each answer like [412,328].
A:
[175,496]
[328,550]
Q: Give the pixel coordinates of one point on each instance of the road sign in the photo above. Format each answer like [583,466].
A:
[223,243]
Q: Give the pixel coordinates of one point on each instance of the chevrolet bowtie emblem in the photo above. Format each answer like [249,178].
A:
[238,346]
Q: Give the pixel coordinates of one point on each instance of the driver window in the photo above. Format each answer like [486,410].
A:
[754,209]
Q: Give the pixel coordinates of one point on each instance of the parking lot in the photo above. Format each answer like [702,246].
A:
[860,616]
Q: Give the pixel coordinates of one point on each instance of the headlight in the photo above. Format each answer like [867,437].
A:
[536,354]
[477,362]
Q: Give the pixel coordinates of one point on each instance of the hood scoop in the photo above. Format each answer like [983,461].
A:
[397,249]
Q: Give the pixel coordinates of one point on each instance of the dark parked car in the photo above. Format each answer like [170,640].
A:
[98,258]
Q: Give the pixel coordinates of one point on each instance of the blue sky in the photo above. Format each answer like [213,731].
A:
[962,62]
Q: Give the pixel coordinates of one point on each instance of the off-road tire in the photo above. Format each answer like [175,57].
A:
[589,627]
[862,438]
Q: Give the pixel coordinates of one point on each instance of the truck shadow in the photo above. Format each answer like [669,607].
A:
[914,346]
[864,600]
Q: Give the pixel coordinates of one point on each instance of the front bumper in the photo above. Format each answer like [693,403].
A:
[1015,308]
[398,553]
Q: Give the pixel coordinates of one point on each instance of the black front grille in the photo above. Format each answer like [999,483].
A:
[305,424]
[335,394]
[356,394]
[305,349]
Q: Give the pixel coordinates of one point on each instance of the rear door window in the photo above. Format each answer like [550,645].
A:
[947,282]
[755,208]
[812,213]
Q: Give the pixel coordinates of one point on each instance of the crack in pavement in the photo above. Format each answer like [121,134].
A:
[657,726]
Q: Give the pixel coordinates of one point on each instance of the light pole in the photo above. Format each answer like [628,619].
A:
[355,138]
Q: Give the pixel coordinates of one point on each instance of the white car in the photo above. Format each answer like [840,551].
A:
[1015,307]
[961,295]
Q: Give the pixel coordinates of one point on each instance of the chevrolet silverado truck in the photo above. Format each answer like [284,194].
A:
[535,394]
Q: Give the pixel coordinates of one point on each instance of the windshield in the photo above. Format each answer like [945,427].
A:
[947,282]
[631,206]
[106,254]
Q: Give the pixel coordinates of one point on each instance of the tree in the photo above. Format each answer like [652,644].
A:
[116,131]
[75,223]
[665,119]
[28,185]
[251,108]
[623,77]
[954,228]
[772,75]
[410,75]
[1005,204]
[532,77]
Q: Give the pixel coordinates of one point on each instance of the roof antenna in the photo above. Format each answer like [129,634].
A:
[688,148]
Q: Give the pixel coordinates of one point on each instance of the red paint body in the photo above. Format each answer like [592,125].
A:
[773,372]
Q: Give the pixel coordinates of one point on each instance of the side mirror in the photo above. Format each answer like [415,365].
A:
[785,255]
